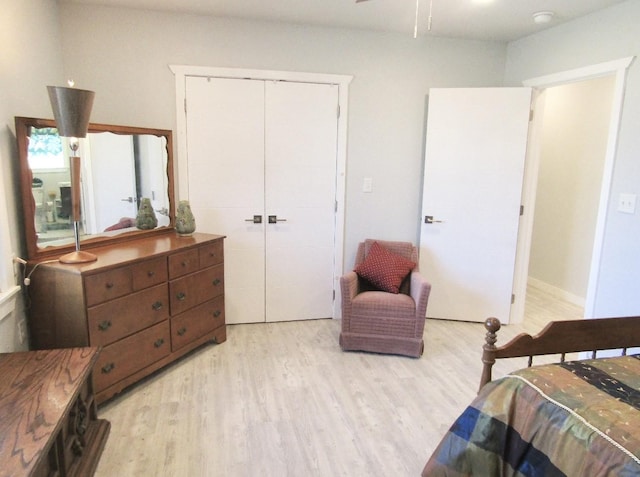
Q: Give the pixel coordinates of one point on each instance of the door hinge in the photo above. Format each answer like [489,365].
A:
[185,105]
[335,207]
[338,110]
[521,210]
[530,115]
[513,298]
[334,295]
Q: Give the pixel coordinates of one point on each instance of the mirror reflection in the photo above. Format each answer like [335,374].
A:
[120,167]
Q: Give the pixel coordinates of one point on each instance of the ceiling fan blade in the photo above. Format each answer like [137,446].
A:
[358,1]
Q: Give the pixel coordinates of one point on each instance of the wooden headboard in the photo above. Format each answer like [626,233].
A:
[561,337]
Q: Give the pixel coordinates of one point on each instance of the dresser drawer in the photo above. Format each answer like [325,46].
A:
[211,254]
[107,285]
[194,323]
[129,355]
[183,263]
[149,273]
[189,291]
[108,322]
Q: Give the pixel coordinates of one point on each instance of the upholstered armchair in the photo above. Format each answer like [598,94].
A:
[380,321]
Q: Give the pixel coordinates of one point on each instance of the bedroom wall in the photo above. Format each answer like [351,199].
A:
[31,58]
[124,56]
[572,152]
[608,35]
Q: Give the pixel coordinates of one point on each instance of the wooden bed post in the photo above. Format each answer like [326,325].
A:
[492,326]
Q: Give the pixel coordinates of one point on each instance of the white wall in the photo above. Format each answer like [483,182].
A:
[572,152]
[31,59]
[124,55]
[608,35]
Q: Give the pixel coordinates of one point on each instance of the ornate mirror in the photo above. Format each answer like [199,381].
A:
[121,165]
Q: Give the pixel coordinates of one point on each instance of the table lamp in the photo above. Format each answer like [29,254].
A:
[71,109]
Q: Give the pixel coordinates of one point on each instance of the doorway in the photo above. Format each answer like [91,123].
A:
[616,69]
[575,125]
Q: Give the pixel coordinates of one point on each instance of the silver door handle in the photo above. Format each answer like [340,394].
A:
[428,219]
[274,219]
[257,219]
[131,200]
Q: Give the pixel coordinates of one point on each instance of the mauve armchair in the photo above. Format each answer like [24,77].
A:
[379,321]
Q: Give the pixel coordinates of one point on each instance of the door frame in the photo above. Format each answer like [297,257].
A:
[619,69]
[342,81]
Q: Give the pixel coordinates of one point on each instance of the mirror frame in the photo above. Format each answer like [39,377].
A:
[88,241]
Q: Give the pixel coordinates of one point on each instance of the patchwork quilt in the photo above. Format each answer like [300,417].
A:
[578,418]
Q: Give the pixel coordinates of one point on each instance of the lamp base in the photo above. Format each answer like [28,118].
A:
[78,257]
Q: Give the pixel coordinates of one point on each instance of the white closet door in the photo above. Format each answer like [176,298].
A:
[300,191]
[259,148]
[225,136]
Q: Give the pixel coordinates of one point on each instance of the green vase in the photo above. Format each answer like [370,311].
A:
[146,218]
[185,221]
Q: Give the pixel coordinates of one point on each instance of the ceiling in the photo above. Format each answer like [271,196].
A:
[499,20]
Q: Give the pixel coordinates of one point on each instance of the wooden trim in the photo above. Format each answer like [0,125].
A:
[560,337]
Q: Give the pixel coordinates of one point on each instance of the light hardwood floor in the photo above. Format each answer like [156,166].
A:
[282,399]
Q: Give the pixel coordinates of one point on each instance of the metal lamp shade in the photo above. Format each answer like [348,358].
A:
[71,109]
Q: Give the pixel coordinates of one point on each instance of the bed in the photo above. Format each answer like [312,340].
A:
[576,418]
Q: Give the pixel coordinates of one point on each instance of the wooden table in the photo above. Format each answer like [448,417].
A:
[48,417]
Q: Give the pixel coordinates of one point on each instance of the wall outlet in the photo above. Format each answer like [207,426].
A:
[367,184]
[627,203]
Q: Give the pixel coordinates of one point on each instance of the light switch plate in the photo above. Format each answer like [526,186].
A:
[367,184]
[627,203]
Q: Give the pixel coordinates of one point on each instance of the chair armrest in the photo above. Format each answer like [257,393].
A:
[349,286]
[349,289]
[420,289]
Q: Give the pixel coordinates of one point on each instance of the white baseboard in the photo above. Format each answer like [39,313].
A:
[556,292]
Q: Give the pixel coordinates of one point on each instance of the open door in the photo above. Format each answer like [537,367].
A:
[474,165]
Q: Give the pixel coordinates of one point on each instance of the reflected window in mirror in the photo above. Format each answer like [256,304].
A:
[46,150]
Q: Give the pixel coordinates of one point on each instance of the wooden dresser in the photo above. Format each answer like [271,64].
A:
[146,302]
[48,419]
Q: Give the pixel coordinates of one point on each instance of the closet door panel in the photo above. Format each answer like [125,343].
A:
[225,135]
[300,168]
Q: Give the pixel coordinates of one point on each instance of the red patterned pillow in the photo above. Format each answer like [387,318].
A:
[384,269]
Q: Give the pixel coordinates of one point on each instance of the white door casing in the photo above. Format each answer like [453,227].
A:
[263,149]
[474,165]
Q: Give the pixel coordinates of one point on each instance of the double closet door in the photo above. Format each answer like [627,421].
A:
[262,171]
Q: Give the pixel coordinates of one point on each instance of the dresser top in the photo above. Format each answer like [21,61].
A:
[37,390]
[135,250]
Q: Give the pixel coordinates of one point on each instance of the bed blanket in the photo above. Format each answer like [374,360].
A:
[578,418]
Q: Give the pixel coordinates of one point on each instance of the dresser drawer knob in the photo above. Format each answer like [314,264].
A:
[157,305]
[109,285]
[107,368]
[151,273]
[216,282]
[181,296]
[182,331]
[217,313]
[158,343]
[185,263]
[105,325]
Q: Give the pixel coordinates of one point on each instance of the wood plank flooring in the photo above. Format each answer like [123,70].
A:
[282,399]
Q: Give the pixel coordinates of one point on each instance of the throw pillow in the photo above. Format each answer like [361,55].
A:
[384,269]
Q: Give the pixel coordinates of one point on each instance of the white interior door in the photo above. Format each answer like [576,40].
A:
[300,179]
[262,149]
[112,178]
[225,136]
[474,165]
